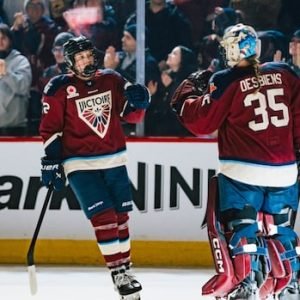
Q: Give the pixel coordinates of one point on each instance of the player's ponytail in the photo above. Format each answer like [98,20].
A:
[254,62]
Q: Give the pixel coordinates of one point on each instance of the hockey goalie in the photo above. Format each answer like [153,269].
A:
[253,200]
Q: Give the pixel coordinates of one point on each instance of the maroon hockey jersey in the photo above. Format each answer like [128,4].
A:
[258,130]
[86,116]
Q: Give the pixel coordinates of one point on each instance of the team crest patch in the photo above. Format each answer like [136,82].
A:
[72,92]
[95,111]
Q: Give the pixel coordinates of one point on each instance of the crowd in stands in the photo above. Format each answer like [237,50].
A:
[182,36]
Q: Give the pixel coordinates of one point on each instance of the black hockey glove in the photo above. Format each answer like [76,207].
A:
[137,96]
[52,173]
[195,85]
[200,81]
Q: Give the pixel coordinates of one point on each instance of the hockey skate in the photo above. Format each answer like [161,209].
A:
[291,292]
[126,284]
[246,290]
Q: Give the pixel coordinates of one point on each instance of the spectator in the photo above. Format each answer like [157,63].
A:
[181,63]
[209,55]
[294,50]
[123,9]
[15,79]
[167,26]
[197,11]
[261,14]
[104,32]
[222,18]
[56,10]
[288,19]
[219,20]
[3,15]
[10,7]
[35,33]
[274,46]
[95,20]
[60,67]
[124,62]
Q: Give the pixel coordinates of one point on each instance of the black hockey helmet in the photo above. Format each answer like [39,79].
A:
[74,46]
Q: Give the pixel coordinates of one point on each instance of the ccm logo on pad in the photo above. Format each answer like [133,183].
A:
[218,255]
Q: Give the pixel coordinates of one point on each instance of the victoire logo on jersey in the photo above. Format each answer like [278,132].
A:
[95,111]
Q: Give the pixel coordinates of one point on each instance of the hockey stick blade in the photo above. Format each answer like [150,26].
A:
[30,253]
[32,279]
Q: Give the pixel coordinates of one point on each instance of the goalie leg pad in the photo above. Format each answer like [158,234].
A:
[250,253]
[281,271]
[220,284]
[279,228]
[247,252]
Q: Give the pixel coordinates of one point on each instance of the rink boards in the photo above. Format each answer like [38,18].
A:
[169,181]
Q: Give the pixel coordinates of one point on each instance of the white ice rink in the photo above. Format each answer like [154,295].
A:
[92,283]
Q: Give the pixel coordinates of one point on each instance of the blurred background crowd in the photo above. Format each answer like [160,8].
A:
[182,36]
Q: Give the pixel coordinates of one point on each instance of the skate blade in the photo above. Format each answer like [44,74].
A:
[134,296]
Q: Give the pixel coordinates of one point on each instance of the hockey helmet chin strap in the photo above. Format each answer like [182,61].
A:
[89,71]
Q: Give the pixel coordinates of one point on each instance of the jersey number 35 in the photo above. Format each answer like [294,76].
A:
[264,101]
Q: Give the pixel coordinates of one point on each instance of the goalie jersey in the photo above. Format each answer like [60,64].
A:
[82,121]
[258,121]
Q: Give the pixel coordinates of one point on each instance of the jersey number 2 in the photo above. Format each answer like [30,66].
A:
[264,102]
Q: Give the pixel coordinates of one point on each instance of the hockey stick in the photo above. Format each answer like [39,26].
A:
[30,253]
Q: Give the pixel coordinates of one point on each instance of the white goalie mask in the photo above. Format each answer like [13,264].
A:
[239,42]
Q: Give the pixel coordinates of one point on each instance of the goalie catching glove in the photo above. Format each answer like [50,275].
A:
[52,173]
[200,81]
[194,86]
[137,96]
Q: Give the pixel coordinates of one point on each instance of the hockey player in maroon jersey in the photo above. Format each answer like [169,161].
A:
[252,203]
[83,139]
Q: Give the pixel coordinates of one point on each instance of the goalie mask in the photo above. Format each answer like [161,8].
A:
[240,42]
[74,46]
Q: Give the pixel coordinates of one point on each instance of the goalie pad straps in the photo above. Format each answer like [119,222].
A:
[283,248]
[249,253]
[281,271]
[279,227]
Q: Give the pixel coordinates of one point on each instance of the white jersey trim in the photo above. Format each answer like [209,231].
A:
[261,175]
[52,138]
[95,162]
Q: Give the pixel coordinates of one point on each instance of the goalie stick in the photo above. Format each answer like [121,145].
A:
[30,253]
